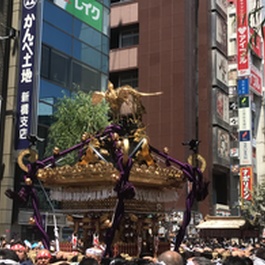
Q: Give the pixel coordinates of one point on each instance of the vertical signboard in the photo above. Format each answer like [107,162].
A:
[26,71]
[242,38]
[255,80]
[255,41]
[246,179]
[244,126]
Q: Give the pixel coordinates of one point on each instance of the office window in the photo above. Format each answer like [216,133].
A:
[84,78]
[124,37]
[59,68]
[129,37]
[45,61]
[119,1]
[125,78]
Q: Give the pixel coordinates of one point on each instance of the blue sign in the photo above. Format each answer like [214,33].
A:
[244,136]
[243,86]
[26,72]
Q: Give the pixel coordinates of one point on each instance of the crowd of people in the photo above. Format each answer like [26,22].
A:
[18,252]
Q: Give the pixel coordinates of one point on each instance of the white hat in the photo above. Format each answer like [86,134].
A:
[94,251]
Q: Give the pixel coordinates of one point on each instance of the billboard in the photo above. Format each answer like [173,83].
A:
[26,79]
[220,70]
[221,146]
[255,81]
[220,108]
[219,33]
[242,38]
[89,11]
[246,181]
[220,6]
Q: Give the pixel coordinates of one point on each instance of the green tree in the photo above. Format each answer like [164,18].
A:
[73,117]
[254,210]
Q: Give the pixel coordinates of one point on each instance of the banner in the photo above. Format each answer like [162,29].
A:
[246,180]
[26,72]
[242,38]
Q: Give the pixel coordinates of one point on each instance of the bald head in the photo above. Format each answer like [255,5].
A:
[171,258]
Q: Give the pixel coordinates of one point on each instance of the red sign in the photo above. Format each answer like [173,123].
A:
[255,41]
[256,81]
[246,180]
[242,38]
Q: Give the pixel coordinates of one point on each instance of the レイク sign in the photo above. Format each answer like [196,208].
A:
[242,38]
[89,11]
[26,71]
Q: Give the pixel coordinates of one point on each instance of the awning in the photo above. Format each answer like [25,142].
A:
[219,222]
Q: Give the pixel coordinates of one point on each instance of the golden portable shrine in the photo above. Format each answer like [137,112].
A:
[120,185]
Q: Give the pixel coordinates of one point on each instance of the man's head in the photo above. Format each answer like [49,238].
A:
[170,257]
[43,257]
[199,261]
[8,257]
[20,249]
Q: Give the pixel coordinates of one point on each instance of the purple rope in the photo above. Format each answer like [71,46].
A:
[199,191]
[125,190]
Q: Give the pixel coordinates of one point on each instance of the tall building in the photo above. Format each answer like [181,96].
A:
[60,47]
[191,53]
[186,49]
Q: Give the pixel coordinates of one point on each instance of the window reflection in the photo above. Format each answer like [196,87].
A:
[57,39]
[84,78]
[52,13]
[59,68]
[87,55]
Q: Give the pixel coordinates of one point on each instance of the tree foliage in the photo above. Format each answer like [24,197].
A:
[254,210]
[73,117]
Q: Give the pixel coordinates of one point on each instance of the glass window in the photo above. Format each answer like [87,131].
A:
[129,78]
[48,90]
[124,37]
[57,39]
[58,17]
[105,29]
[87,34]
[84,78]
[129,37]
[125,78]
[87,54]
[59,68]
[45,61]
[46,106]
[105,64]
[105,44]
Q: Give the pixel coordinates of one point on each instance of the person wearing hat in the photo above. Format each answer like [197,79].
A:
[20,249]
[43,257]
[8,257]
[95,253]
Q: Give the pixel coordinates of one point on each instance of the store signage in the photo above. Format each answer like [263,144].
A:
[244,136]
[244,120]
[243,86]
[233,121]
[255,41]
[246,179]
[89,11]
[242,38]
[26,72]
[245,153]
[234,152]
[243,102]
[255,80]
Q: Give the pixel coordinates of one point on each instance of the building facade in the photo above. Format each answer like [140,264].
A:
[190,53]
[185,50]
[61,48]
